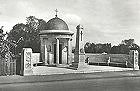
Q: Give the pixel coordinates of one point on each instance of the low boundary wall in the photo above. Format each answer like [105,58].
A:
[121,60]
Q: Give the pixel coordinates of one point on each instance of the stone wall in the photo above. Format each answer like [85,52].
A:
[28,59]
[35,58]
[114,58]
[120,58]
[123,60]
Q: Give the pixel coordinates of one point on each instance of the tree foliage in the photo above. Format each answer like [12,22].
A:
[27,35]
[97,48]
[123,48]
[120,49]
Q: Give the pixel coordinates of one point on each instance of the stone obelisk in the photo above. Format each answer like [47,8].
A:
[79,54]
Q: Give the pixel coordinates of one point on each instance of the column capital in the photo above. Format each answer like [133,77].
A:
[69,39]
[57,38]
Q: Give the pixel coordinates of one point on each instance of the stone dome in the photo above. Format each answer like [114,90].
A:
[56,24]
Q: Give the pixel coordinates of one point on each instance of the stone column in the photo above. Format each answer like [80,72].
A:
[57,50]
[42,50]
[46,55]
[68,51]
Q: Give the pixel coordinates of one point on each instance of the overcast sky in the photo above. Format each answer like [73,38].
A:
[105,21]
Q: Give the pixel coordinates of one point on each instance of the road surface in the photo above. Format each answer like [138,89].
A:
[103,84]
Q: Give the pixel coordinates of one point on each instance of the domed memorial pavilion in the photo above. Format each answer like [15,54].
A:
[56,42]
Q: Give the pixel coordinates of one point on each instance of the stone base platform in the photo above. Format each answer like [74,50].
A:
[79,66]
[45,70]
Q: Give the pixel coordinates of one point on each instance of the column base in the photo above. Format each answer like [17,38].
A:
[80,65]
[45,63]
[136,68]
[26,73]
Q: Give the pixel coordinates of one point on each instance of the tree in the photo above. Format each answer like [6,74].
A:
[114,50]
[87,47]
[18,31]
[29,32]
[128,42]
[97,48]
[5,45]
[93,48]
[125,47]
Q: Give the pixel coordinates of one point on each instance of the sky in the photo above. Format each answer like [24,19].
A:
[104,21]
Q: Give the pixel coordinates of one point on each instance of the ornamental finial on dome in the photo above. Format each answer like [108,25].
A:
[56,12]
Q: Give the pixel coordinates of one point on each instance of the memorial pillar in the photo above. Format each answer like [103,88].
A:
[57,50]
[79,54]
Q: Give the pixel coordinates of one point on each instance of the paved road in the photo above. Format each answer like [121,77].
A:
[105,84]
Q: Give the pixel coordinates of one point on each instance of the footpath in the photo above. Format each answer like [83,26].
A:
[66,77]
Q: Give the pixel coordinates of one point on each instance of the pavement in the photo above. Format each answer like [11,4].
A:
[45,70]
[68,76]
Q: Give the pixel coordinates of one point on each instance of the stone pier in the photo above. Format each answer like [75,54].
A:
[26,62]
[134,59]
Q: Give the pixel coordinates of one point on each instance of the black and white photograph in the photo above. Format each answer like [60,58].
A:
[69,45]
